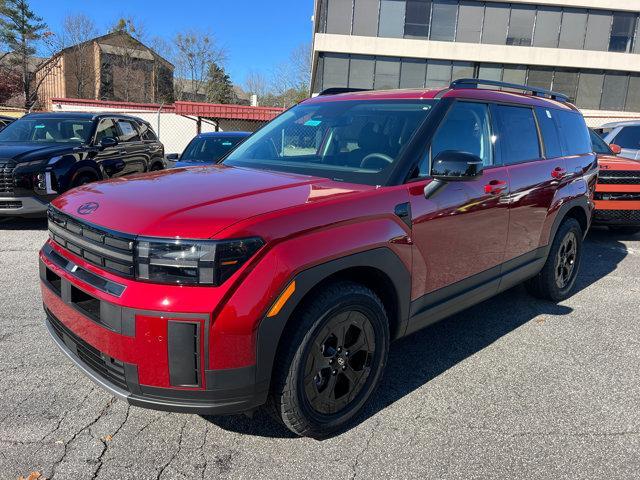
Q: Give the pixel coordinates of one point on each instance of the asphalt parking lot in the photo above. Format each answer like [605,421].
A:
[512,388]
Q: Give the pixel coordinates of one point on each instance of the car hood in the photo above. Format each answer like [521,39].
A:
[25,152]
[195,202]
[610,162]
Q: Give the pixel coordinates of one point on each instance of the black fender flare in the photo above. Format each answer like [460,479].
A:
[581,202]
[270,329]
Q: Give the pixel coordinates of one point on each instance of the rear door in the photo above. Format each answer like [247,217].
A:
[460,231]
[137,155]
[534,175]
[112,159]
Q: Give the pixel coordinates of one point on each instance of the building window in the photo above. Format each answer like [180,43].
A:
[598,27]
[540,77]
[317,87]
[521,25]
[470,18]
[413,73]
[589,89]
[339,16]
[336,70]
[490,71]
[387,73]
[622,29]
[361,70]
[547,27]
[443,24]
[462,70]
[515,74]
[365,17]
[438,74]
[633,94]
[416,22]
[614,91]
[573,28]
[566,81]
[392,14]
[496,19]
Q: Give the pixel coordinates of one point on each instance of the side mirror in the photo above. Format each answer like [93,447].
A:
[616,149]
[108,142]
[456,166]
[174,157]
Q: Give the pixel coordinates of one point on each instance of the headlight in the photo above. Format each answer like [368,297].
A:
[192,262]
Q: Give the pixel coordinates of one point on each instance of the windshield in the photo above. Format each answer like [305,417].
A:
[599,145]
[209,149]
[351,141]
[47,130]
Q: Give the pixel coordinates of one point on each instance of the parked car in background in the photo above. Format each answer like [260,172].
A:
[625,135]
[4,121]
[207,148]
[617,195]
[281,275]
[45,154]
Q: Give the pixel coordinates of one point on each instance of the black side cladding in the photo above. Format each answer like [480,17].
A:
[184,359]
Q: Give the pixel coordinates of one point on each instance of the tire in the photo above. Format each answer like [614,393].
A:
[83,179]
[156,167]
[319,406]
[625,230]
[557,278]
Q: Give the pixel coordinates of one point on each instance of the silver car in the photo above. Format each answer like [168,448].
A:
[626,135]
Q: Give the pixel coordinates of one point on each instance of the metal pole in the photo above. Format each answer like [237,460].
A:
[159,112]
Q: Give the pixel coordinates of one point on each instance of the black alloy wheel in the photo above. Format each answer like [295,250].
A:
[339,362]
[566,260]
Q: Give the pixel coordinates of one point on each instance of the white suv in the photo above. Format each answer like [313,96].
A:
[624,134]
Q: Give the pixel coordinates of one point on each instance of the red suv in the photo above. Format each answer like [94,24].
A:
[281,275]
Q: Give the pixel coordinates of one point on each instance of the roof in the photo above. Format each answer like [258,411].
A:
[82,115]
[422,94]
[627,123]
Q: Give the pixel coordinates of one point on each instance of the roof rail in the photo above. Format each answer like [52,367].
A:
[475,82]
[337,90]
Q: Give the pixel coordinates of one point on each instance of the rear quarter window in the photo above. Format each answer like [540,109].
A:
[573,133]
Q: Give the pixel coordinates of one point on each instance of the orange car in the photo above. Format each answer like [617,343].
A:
[618,190]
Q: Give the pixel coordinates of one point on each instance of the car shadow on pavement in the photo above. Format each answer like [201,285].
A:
[421,357]
[9,223]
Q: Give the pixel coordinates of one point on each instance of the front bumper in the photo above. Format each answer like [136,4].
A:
[138,355]
[19,206]
[619,218]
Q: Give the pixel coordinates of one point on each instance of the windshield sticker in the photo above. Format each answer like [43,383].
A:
[548,113]
[227,144]
[39,126]
[312,123]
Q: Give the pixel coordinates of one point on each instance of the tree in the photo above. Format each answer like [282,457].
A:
[257,84]
[10,84]
[218,87]
[130,26]
[21,30]
[77,31]
[195,52]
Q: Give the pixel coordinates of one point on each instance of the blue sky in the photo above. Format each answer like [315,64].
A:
[257,34]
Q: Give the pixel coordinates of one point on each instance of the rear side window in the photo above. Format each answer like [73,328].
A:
[128,131]
[628,137]
[147,133]
[549,130]
[517,136]
[573,132]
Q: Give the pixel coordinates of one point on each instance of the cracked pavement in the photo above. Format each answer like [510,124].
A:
[512,388]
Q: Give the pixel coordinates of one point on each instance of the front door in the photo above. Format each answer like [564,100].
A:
[460,231]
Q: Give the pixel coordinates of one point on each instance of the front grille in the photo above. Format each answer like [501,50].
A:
[111,251]
[10,204]
[619,177]
[620,197]
[6,177]
[107,367]
[618,216]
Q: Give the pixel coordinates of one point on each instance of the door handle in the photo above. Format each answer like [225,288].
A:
[558,173]
[495,187]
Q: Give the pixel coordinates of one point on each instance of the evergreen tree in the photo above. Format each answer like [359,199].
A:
[20,30]
[218,86]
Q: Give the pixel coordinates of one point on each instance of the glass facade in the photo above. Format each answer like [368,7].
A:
[589,89]
[497,23]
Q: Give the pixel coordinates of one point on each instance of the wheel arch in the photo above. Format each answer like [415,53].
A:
[577,208]
[379,269]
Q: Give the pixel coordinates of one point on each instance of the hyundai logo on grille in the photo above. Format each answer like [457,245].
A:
[88,208]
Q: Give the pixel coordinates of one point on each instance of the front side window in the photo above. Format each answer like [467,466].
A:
[466,128]
[352,141]
[628,137]
[106,129]
[47,130]
[517,134]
